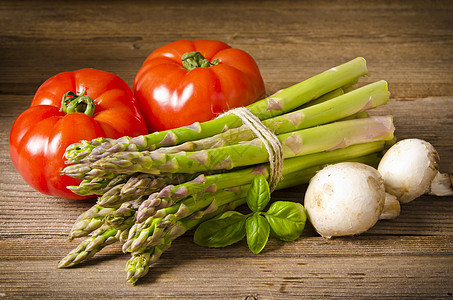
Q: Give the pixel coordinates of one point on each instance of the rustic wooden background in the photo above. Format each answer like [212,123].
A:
[407,43]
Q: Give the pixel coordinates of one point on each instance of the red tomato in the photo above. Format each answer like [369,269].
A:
[41,134]
[172,94]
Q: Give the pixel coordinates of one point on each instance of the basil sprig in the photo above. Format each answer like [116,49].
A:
[284,220]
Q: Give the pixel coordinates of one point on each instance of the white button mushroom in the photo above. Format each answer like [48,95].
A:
[345,199]
[408,168]
[392,208]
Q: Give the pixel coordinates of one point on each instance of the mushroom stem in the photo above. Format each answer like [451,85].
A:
[392,208]
[442,185]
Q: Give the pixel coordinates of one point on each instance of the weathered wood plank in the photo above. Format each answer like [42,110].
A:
[407,43]
[313,267]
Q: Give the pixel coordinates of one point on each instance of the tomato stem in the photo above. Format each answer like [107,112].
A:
[81,103]
[192,60]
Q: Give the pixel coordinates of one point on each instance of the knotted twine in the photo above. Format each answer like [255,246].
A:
[269,139]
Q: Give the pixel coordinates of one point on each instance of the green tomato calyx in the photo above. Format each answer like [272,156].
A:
[192,60]
[81,103]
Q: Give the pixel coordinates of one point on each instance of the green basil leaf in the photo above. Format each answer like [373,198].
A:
[287,219]
[258,230]
[258,195]
[221,231]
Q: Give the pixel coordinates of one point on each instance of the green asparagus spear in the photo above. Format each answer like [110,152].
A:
[123,217]
[137,186]
[138,265]
[101,238]
[98,183]
[94,217]
[89,221]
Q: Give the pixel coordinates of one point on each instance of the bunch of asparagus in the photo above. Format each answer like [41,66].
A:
[153,188]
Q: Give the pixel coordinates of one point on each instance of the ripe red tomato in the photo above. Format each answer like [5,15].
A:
[187,81]
[102,105]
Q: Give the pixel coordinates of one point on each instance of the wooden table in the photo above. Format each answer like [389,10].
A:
[407,43]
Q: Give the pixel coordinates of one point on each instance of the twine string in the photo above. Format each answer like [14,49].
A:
[269,139]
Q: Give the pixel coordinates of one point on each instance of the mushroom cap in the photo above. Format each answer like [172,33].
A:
[408,168]
[345,199]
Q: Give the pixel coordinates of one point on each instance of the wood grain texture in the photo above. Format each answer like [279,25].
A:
[407,43]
